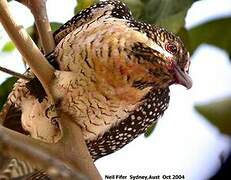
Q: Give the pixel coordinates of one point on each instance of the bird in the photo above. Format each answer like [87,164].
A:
[127,67]
[114,72]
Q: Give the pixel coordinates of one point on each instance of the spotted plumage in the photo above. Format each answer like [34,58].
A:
[15,168]
[156,102]
[115,8]
[114,73]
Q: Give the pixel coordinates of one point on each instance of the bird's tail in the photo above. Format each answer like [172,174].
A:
[15,168]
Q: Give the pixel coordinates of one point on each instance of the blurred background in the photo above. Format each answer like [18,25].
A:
[193,136]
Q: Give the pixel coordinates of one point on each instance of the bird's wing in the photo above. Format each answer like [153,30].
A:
[153,106]
[13,169]
[110,8]
[41,175]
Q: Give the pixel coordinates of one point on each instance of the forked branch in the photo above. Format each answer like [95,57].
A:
[34,58]
[15,74]
[69,157]
[32,151]
[38,9]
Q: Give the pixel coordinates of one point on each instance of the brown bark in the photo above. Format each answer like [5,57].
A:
[28,49]
[38,9]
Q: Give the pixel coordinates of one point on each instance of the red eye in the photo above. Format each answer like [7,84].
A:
[171,48]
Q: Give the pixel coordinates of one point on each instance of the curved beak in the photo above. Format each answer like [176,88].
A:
[182,77]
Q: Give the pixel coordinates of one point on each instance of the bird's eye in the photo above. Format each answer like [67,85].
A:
[171,48]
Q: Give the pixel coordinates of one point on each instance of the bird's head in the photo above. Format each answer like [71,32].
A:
[165,59]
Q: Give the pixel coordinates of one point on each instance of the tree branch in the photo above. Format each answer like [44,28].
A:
[70,152]
[39,154]
[74,149]
[34,58]
[38,9]
[15,74]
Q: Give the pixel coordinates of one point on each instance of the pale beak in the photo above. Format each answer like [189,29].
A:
[182,77]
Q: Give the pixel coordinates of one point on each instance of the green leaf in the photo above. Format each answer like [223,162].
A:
[55,26]
[8,47]
[32,31]
[166,13]
[136,6]
[150,130]
[83,4]
[183,33]
[173,23]
[216,32]
[5,89]
[218,113]
[145,1]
